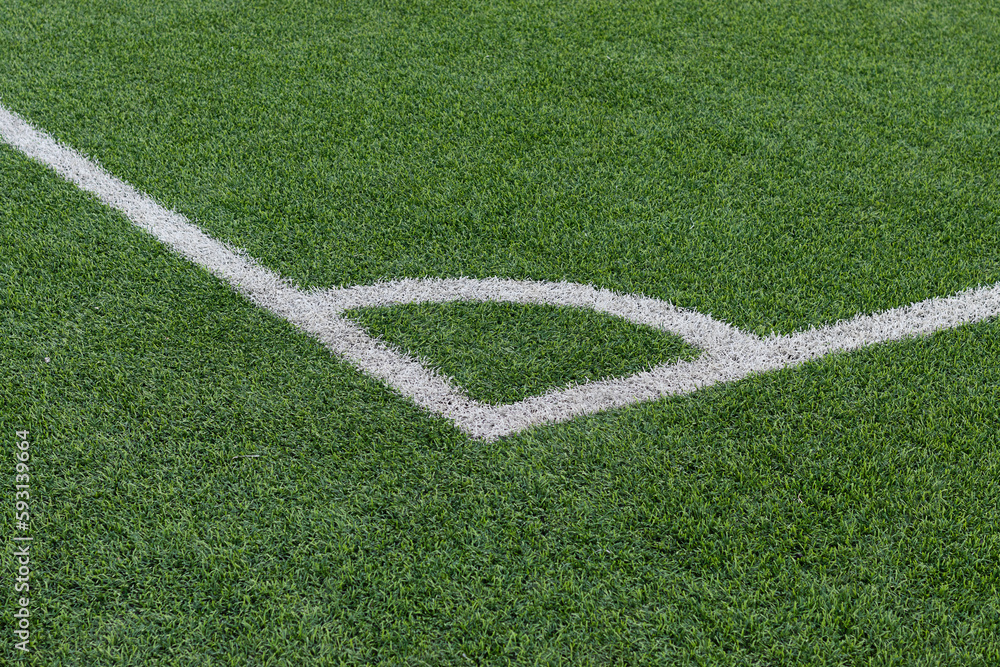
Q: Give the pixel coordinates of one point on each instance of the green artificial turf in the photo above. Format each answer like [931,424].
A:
[211,487]
[775,164]
[844,512]
[504,352]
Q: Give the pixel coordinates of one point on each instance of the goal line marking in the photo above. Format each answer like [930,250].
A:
[728,353]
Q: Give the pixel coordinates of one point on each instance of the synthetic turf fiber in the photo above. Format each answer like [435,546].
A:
[775,165]
[211,486]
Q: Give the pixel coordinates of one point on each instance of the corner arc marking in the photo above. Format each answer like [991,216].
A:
[695,328]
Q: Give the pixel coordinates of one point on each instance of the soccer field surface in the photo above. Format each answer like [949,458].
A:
[401,431]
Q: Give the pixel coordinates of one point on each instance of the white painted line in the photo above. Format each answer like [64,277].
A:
[728,353]
[697,329]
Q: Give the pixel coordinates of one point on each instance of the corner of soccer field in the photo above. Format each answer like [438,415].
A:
[502,333]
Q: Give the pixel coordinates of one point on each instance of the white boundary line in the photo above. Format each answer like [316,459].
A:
[729,354]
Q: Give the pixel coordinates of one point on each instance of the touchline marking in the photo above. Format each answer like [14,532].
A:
[728,353]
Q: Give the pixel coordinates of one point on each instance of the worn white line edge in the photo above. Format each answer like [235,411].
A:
[729,354]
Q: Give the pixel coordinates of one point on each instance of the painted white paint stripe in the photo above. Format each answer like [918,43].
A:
[975,305]
[729,354]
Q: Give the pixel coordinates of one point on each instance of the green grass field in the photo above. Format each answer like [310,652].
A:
[210,486]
